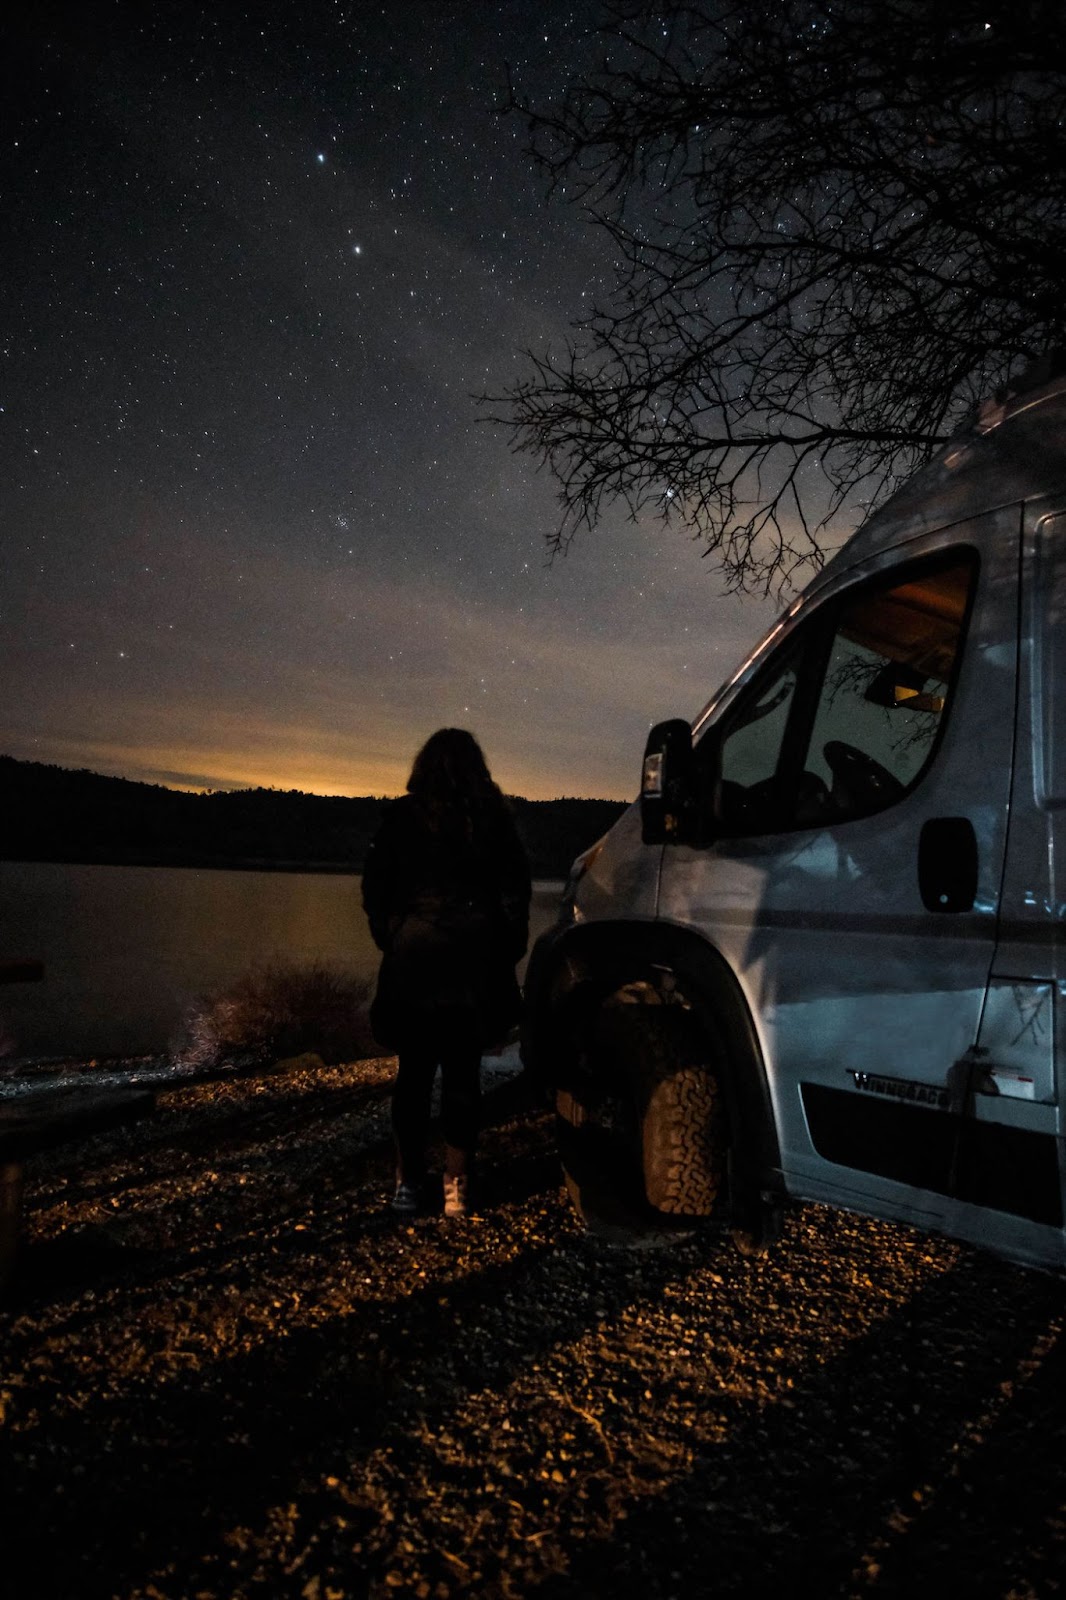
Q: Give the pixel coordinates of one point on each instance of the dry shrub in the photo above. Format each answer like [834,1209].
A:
[275,1011]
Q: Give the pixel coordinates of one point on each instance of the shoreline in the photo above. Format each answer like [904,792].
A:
[541,884]
[191,863]
[165,1072]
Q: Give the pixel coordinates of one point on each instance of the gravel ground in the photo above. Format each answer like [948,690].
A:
[228,1371]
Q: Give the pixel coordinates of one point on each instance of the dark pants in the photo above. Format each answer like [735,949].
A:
[460,1096]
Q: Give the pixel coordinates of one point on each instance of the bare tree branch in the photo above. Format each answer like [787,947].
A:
[838,225]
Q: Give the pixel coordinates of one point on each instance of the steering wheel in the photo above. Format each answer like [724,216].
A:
[868,780]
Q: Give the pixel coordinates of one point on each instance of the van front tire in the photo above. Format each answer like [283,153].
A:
[641,1127]
[683,1152]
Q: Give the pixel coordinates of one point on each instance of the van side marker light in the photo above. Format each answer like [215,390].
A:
[651,782]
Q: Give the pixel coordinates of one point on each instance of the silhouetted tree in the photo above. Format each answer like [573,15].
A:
[52,814]
[838,224]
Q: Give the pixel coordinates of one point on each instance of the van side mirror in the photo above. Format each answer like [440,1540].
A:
[667,787]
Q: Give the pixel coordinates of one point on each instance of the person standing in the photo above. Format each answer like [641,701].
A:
[446,888]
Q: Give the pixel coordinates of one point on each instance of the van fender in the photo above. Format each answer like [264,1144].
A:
[587,963]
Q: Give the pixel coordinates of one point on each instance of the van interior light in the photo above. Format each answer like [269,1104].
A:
[915,700]
[898,685]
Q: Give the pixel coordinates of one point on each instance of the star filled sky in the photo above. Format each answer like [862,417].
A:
[254,529]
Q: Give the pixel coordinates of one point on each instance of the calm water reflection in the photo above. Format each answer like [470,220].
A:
[126,948]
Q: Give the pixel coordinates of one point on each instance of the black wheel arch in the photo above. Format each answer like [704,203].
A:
[581,965]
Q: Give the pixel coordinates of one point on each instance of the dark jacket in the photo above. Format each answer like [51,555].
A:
[448,905]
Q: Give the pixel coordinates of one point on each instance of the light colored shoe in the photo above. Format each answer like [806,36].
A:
[407,1199]
[455,1196]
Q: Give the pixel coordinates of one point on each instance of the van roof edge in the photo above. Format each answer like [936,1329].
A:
[1039,381]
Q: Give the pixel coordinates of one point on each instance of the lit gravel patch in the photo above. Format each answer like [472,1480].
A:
[230,1371]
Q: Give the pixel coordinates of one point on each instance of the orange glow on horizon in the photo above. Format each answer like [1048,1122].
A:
[382,783]
[193,771]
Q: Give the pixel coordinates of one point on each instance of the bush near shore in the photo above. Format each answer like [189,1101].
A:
[277,1011]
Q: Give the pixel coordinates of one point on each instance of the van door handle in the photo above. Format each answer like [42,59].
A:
[947,864]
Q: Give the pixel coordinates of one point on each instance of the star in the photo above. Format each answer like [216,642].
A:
[193,426]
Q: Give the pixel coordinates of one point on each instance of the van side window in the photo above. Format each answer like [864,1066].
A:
[845,720]
[751,755]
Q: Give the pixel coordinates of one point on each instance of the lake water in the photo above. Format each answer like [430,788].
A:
[126,949]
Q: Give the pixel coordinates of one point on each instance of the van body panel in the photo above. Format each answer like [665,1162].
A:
[1034,893]
[1045,619]
[853,984]
[623,876]
[1013,1130]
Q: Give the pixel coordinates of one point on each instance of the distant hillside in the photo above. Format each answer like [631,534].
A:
[53,814]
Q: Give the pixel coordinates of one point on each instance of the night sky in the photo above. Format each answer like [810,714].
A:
[254,531]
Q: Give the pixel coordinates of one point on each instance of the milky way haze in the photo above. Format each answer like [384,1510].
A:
[254,531]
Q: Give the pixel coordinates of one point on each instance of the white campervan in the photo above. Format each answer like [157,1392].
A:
[823,956]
